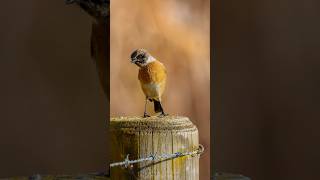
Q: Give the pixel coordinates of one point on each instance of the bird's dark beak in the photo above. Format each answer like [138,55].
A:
[136,62]
[133,61]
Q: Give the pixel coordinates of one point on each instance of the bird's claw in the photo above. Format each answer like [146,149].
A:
[163,115]
[145,115]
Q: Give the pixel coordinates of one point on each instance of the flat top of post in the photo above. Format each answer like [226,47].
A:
[138,123]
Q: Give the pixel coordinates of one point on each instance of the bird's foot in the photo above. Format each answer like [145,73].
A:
[163,115]
[145,115]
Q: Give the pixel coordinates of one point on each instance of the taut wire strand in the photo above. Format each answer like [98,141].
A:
[154,157]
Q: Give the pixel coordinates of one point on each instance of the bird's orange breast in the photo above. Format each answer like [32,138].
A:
[154,72]
[153,79]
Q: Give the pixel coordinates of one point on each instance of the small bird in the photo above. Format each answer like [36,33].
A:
[152,76]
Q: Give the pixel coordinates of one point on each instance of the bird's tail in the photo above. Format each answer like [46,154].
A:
[157,106]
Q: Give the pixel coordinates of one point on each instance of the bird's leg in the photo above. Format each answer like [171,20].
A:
[145,109]
[162,112]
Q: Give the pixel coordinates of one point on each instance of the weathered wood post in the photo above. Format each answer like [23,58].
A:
[140,137]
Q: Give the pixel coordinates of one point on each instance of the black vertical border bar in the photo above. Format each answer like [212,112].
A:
[107,56]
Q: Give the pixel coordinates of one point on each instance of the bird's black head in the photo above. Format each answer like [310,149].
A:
[140,57]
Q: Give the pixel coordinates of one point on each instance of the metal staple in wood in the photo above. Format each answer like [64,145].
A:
[155,157]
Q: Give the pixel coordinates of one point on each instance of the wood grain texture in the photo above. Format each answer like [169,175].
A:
[141,137]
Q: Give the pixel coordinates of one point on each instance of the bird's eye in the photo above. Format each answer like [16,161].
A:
[140,56]
[134,54]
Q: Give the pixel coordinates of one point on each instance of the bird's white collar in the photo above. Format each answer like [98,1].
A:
[150,59]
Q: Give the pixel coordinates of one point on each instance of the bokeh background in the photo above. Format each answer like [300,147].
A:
[177,33]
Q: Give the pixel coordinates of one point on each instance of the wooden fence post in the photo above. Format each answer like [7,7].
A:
[140,137]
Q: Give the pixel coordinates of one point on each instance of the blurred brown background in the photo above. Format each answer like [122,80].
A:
[177,33]
[266,88]
[52,108]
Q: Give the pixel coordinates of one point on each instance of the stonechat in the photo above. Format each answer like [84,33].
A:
[152,76]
